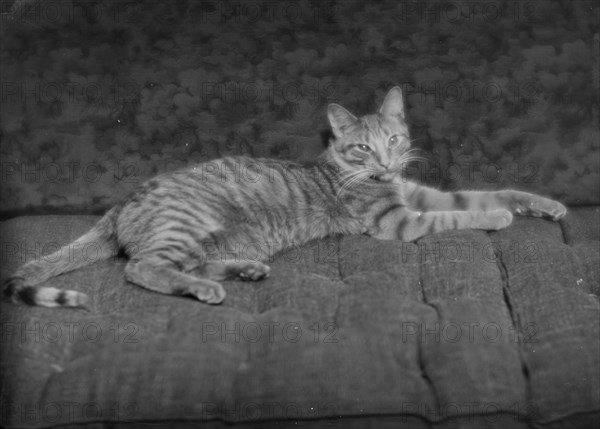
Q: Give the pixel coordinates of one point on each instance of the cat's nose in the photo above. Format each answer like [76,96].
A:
[385,161]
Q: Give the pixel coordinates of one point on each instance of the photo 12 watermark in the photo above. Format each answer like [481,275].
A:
[52,252]
[256,172]
[473,251]
[68,332]
[471,411]
[467,331]
[315,251]
[69,172]
[469,171]
[48,12]
[231,92]
[253,411]
[66,412]
[48,92]
[467,12]
[469,91]
[270,332]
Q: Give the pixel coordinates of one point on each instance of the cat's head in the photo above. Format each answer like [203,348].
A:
[374,146]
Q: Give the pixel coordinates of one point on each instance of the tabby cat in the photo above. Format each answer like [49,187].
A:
[185,231]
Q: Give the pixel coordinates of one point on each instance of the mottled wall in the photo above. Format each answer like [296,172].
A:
[97,96]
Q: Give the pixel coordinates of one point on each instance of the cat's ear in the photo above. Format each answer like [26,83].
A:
[393,104]
[339,119]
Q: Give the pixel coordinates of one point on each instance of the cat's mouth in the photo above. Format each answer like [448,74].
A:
[382,177]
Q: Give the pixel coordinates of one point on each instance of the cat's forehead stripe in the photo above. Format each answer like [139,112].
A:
[376,128]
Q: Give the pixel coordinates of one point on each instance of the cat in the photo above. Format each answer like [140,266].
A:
[185,231]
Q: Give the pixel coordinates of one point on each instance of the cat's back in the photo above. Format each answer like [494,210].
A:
[221,173]
[231,171]
[219,186]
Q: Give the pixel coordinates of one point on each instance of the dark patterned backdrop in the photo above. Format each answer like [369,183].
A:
[98,95]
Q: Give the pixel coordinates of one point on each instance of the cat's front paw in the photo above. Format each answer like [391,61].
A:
[544,207]
[209,292]
[556,210]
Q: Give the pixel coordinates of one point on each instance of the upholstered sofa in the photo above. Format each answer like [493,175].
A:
[467,329]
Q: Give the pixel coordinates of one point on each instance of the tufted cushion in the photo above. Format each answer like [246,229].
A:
[463,328]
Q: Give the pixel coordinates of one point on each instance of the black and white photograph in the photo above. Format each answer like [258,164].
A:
[310,214]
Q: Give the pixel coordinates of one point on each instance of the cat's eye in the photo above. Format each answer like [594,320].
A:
[363,147]
[393,140]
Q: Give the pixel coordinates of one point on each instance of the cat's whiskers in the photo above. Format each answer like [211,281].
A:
[352,179]
[349,175]
[350,184]
[344,180]
[408,157]
[410,153]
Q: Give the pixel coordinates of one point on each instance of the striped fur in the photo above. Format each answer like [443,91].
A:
[185,231]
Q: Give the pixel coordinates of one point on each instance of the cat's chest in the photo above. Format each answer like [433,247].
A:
[335,218]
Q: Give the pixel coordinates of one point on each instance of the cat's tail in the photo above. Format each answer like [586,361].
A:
[98,243]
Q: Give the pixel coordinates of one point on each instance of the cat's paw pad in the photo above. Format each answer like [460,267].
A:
[210,294]
[254,271]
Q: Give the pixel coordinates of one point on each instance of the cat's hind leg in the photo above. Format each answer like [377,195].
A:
[158,275]
[236,269]
[225,256]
